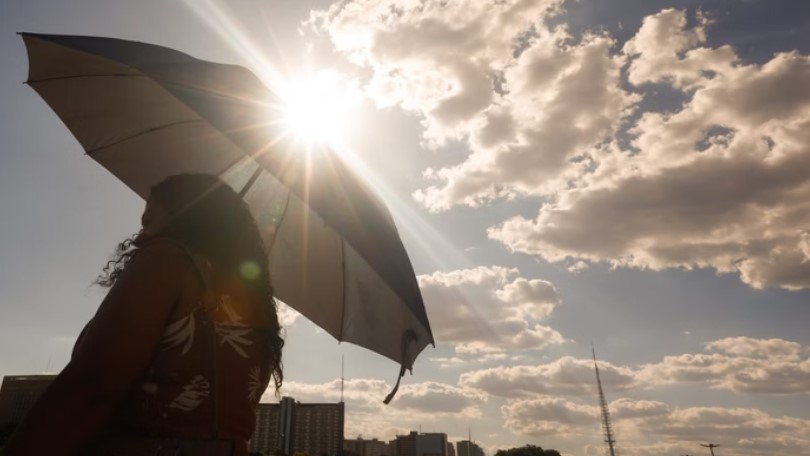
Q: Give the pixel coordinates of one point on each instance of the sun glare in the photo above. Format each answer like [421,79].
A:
[317,109]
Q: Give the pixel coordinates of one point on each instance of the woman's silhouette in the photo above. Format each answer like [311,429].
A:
[183,345]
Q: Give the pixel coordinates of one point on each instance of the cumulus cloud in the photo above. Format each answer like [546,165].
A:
[664,50]
[578,267]
[627,409]
[565,376]
[740,364]
[558,398]
[487,310]
[364,393]
[735,424]
[744,365]
[527,99]
[439,398]
[286,314]
[720,181]
[535,298]
[415,404]
[744,431]
[546,415]
[758,348]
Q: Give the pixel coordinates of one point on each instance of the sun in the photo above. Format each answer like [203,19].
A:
[317,109]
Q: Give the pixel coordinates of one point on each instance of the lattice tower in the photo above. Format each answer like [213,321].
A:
[607,428]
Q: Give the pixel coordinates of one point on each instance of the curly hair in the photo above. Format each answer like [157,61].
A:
[211,219]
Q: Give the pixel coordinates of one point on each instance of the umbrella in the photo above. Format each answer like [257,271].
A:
[146,112]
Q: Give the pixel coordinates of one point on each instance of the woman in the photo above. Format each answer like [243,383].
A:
[182,347]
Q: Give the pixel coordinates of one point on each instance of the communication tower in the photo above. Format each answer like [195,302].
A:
[607,428]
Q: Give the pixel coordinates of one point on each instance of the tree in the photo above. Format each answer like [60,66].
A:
[528,450]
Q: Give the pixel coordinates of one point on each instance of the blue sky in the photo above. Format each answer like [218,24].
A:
[629,173]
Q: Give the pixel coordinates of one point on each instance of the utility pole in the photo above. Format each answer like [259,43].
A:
[710,446]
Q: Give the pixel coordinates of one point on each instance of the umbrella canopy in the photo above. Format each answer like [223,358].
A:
[146,112]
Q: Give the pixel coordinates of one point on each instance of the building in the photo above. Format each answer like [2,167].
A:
[318,428]
[404,445]
[431,444]
[375,447]
[354,446]
[451,450]
[291,427]
[468,448]
[416,444]
[285,426]
[266,436]
[371,447]
[18,393]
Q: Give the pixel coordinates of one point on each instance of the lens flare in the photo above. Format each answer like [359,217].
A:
[250,270]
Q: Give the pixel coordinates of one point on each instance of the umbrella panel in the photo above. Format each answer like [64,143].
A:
[145,119]
[323,275]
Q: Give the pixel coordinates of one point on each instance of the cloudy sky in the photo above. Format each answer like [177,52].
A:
[629,173]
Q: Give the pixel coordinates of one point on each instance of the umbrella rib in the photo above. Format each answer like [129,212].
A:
[78,76]
[141,133]
[281,219]
[250,181]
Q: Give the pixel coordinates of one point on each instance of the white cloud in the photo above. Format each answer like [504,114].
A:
[426,403]
[578,267]
[366,393]
[565,376]
[757,348]
[486,310]
[286,314]
[743,431]
[721,182]
[449,362]
[535,298]
[558,398]
[746,366]
[546,415]
[491,74]
[664,50]
[705,423]
[626,409]
[562,101]
[438,398]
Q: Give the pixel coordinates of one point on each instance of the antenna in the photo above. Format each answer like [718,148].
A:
[341,377]
[710,446]
[607,429]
